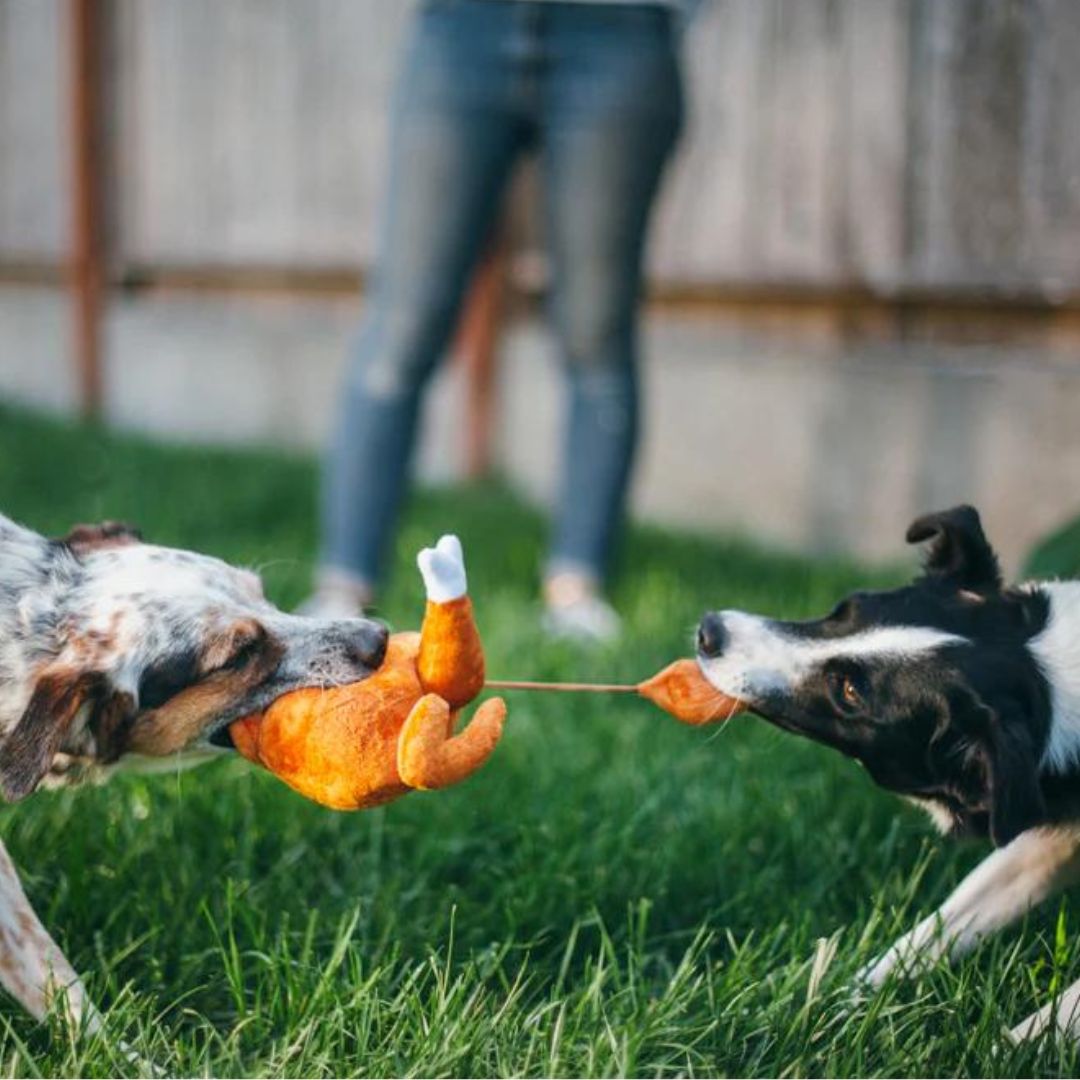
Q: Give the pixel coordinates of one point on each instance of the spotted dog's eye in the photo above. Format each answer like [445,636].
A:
[235,646]
[167,677]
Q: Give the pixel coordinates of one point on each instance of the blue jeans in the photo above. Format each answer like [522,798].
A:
[594,91]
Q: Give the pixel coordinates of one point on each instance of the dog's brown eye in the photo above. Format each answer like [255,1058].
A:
[848,688]
[850,692]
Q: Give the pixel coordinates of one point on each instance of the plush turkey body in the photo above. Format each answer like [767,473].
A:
[339,746]
[355,746]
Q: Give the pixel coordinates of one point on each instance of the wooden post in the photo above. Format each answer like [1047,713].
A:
[477,342]
[86,257]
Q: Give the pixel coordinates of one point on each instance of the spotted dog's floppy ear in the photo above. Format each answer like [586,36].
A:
[959,553]
[84,539]
[29,748]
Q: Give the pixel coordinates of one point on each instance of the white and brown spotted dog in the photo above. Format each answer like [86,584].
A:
[116,652]
[958,692]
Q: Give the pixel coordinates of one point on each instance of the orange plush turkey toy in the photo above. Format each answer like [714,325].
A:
[360,745]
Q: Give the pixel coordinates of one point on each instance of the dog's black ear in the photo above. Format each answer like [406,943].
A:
[959,553]
[1016,798]
[29,748]
[1013,798]
[84,539]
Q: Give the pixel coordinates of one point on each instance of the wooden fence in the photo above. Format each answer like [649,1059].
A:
[887,144]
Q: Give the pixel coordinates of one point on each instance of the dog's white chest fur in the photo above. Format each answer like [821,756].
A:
[1057,652]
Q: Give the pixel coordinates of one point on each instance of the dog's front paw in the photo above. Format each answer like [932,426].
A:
[1062,1014]
[1027,1029]
[871,977]
[856,994]
[866,982]
[142,1066]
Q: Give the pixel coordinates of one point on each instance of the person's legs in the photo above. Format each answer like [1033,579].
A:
[456,130]
[612,112]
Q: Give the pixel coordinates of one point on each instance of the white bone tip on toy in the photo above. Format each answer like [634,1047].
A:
[450,545]
[443,570]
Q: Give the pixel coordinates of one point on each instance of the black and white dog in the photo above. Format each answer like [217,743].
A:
[958,693]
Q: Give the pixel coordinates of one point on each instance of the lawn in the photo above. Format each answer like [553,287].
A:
[614,894]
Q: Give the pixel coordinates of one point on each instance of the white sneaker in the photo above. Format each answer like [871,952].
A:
[575,611]
[336,596]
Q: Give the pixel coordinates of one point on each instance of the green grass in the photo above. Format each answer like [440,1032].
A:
[1057,554]
[613,894]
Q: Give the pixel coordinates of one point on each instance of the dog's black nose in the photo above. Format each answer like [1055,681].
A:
[368,644]
[711,636]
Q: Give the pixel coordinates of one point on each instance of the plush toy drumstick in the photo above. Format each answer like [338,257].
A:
[679,689]
[683,691]
[363,744]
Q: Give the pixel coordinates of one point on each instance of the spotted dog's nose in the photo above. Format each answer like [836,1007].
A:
[711,636]
[368,645]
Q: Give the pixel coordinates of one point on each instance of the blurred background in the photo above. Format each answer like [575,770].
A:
[863,303]
[864,274]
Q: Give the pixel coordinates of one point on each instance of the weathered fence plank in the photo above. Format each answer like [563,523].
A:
[793,171]
[33,116]
[253,131]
